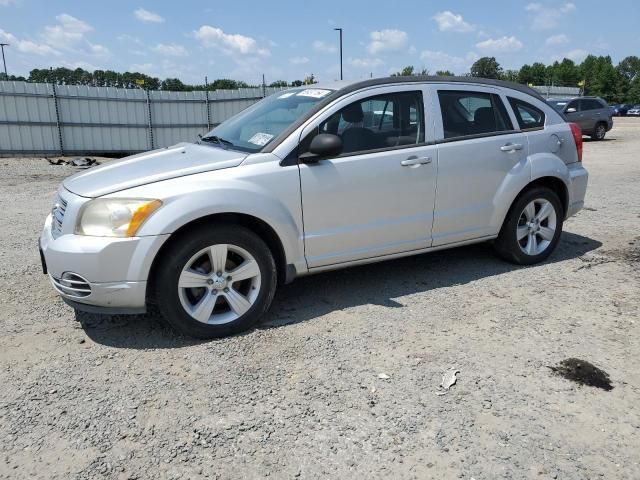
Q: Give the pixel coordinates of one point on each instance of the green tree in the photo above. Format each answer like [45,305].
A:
[510,75]
[445,73]
[174,85]
[600,77]
[565,73]
[279,84]
[486,67]
[533,74]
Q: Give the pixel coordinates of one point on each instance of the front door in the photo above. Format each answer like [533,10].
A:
[375,198]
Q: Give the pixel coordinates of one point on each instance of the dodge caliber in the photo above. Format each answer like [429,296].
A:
[313,179]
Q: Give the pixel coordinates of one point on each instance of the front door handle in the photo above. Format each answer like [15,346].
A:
[511,147]
[414,161]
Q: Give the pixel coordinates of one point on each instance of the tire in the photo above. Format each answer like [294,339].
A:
[546,231]
[188,282]
[599,132]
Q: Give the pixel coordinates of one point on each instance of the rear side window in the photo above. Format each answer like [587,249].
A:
[590,104]
[472,113]
[527,115]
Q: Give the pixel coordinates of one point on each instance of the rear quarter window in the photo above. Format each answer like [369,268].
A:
[528,116]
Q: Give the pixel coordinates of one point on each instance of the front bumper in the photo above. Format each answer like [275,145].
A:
[579,178]
[99,273]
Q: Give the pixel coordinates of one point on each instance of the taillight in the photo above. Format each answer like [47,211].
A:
[576,131]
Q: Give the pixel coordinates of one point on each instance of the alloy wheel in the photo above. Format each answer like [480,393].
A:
[219,284]
[536,226]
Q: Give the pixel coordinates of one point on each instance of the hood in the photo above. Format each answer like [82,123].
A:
[171,162]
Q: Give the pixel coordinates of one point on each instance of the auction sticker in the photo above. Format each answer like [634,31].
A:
[260,138]
[314,93]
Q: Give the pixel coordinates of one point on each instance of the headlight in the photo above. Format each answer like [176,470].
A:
[114,217]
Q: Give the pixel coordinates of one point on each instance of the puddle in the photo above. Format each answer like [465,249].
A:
[584,373]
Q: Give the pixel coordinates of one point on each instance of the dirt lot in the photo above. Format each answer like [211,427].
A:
[301,396]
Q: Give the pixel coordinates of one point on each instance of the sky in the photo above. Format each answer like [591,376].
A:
[288,40]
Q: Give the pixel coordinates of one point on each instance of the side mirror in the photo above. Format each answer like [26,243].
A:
[571,110]
[324,145]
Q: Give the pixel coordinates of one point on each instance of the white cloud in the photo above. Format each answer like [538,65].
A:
[387,40]
[69,34]
[170,49]
[545,17]
[6,3]
[323,47]
[450,22]
[298,60]
[147,16]
[559,39]
[577,55]
[365,62]
[500,45]
[27,46]
[229,43]
[436,60]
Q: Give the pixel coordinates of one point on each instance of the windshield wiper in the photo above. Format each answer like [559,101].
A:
[215,139]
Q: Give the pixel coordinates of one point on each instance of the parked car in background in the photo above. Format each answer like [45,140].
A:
[313,179]
[634,112]
[620,110]
[592,114]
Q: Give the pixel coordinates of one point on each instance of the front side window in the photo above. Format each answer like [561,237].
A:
[379,122]
[258,125]
[527,115]
[472,113]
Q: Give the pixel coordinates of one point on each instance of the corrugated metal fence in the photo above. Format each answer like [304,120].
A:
[42,118]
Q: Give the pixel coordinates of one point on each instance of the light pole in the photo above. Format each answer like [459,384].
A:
[2,45]
[340,30]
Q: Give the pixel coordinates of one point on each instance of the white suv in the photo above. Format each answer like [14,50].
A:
[313,179]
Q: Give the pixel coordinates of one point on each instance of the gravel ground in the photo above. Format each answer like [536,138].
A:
[301,396]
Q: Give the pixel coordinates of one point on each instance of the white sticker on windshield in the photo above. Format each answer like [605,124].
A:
[260,138]
[287,95]
[314,93]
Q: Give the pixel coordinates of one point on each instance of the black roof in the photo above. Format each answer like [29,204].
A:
[434,79]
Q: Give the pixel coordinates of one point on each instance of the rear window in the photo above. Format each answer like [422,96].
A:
[472,113]
[527,115]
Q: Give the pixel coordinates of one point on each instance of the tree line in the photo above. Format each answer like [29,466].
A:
[596,75]
[110,78]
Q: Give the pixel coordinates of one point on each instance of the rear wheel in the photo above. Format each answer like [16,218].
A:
[216,281]
[599,132]
[532,228]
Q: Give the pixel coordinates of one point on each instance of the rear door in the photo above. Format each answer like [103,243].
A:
[478,146]
[592,112]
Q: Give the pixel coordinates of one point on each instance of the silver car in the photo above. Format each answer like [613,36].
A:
[312,179]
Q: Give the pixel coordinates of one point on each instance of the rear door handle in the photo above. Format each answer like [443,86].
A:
[511,147]
[414,161]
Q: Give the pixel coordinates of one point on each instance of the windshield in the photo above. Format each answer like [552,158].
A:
[558,105]
[253,128]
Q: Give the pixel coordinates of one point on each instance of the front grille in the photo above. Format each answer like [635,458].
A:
[72,284]
[57,216]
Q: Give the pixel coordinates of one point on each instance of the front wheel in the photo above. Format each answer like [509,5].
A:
[215,281]
[532,229]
